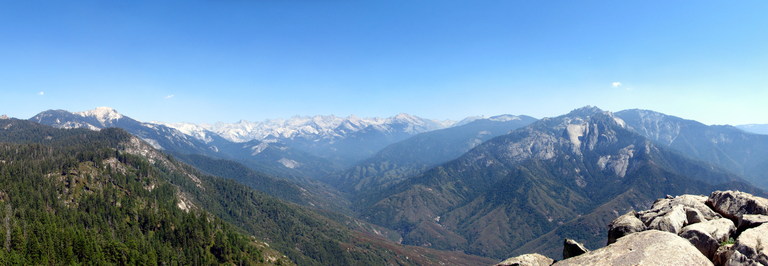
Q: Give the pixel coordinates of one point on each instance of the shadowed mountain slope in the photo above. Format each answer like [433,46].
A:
[517,187]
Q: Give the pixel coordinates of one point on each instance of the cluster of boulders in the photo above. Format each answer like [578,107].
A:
[726,228]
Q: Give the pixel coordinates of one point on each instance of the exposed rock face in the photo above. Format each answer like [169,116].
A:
[672,214]
[684,230]
[527,260]
[748,221]
[624,225]
[752,244]
[707,236]
[650,247]
[733,204]
[571,248]
[738,259]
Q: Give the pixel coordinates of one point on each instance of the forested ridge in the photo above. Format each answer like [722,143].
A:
[105,197]
[70,197]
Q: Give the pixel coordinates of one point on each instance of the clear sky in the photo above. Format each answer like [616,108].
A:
[226,60]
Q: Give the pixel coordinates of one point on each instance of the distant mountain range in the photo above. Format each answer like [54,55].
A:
[728,147]
[106,197]
[515,188]
[344,141]
[755,128]
[423,151]
[494,187]
[300,146]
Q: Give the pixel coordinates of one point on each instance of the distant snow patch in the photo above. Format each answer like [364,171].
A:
[504,118]
[259,148]
[289,163]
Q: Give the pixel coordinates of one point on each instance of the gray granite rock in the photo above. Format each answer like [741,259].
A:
[753,245]
[672,214]
[734,204]
[738,259]
[571,248]
[707,236]
[624,225]
[651,247]
[748,221]
[532,259]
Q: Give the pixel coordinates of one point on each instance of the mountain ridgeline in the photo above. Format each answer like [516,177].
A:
[78,196]
[130,204]
[732,149]
[515,188]
[361,188]
[273,158]
[421,152]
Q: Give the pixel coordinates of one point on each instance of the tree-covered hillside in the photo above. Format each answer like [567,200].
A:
[71,196]
[130,204]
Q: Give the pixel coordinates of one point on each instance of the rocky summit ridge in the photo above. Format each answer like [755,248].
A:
[725,228]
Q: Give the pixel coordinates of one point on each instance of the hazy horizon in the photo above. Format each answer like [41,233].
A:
[224,61]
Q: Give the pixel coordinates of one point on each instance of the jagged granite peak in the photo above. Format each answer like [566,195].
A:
[583,128]
[586,111]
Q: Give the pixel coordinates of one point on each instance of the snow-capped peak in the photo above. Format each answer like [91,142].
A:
[403,117]
[199,132]
[320,126]
[504,118]
[102,114]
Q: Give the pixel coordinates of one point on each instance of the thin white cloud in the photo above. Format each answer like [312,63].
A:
[41,93]
[615,84]
[169,96]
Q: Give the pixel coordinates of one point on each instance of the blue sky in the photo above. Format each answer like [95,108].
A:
[207,61]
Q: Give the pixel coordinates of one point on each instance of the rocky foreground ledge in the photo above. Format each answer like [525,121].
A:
[726,228]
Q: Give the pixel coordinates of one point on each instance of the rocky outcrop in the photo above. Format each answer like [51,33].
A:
[571,248]
[651,247]
[751,247]
[624,225]
[734,204]
[748,221]
[712,235]
[527,260]
[707,236]
[671,214]
[684,230]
